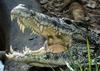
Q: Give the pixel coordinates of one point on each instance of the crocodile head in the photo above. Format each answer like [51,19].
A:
[53,29]
[58,33]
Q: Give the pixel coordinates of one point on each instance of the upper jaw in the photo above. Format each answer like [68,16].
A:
[20,10]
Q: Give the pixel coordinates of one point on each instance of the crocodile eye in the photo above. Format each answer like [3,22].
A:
[68,21]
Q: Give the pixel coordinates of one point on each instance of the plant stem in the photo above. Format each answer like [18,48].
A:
[89,56]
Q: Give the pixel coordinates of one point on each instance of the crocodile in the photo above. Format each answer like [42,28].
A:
[65,39]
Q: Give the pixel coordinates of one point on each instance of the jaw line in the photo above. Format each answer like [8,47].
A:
[32,57]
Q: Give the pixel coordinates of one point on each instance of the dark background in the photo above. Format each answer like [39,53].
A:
[11,35]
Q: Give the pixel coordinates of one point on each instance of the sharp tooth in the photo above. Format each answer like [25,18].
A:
[23,28]
[42,48]
[23,51]
[9,56]
[41,28]
[45,45]
[11,50]
[20,26]
[26,48]
[12,17]
[33,31]
[59,33]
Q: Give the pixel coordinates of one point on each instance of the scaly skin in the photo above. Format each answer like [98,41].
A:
[61,36]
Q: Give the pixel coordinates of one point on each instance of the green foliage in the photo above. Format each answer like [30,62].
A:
[61,69]
[51,67]
[97,67]
[89,57]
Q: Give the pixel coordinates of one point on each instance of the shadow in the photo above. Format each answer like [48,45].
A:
[48,68]
[4,28]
